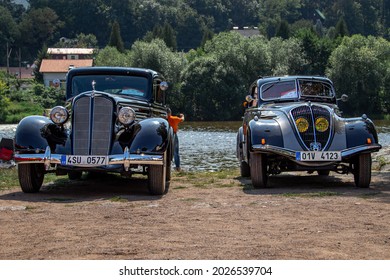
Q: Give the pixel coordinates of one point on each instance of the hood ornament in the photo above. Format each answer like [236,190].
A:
[315,146]
[93,88]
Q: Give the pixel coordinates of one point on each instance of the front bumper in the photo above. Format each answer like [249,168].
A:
[126,159]
[291,155]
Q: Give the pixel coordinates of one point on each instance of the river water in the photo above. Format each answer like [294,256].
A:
[211,146]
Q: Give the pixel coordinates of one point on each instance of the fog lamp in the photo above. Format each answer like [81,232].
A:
[322,124]
[126,115]
[302,124]
[59,115]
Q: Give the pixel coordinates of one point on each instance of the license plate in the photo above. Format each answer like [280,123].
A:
[84,160]
[318,156]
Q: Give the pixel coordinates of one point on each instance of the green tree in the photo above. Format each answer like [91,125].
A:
[38,28]
[283,30]
[316,51]
[110,56]
[42,54]
[287,56]
[358,68]
[215,82]
[157,56]
[4,101]
[116,38]
[9,32]
[341,28]
[166,33]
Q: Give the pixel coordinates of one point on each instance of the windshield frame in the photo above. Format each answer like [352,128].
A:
[135,86]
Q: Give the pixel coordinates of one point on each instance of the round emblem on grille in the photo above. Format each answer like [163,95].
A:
[322,124]
[302,124]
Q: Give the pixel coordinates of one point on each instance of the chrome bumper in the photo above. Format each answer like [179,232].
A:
[290,154]
[126,159]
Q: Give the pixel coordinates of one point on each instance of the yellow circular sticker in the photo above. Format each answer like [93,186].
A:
[322,124]
[302,124]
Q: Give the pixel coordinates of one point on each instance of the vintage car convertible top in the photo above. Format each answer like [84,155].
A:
[293,123]
[114,121]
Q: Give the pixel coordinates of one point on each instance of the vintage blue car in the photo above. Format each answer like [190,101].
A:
[114,121]
[293,123]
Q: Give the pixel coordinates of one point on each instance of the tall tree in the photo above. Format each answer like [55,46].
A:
[358,67]
[116,38]
[38,28]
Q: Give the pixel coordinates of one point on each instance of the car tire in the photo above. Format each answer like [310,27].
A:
[157,178]
[245,169]
[31,177]
[75,175]
[362,170]
[258,170]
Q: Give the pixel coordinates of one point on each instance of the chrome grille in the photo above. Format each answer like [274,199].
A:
[92,125]
[312,135]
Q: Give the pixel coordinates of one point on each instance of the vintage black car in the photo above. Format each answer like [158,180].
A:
[114,121]
[293,123]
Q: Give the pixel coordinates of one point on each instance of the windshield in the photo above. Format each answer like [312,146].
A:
[122,85]
[279,90]
[315,89]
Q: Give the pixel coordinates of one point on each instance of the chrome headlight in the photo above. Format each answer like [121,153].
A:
[59,115]
[126,115]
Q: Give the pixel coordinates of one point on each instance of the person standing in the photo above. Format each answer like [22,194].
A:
[174,123]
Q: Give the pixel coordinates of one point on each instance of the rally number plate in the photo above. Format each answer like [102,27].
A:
[318,156]
[84,160]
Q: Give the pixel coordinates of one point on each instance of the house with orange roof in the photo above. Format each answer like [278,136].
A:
[60,61]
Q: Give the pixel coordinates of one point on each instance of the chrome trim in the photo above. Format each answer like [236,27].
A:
[126,159]
[360,149]
[290,154]
[312,115]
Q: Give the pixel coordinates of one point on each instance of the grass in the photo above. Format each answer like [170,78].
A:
[118,199]
[8,178]
[312,194]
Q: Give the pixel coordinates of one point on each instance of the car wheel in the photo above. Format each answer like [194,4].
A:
[31,177]
[157,178]
[244,169]
[362,170]
[258,170]
[323,172]
[75,175]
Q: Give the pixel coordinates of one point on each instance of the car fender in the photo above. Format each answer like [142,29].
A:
[358,131]
[151,136]
[29,134]
[267,129]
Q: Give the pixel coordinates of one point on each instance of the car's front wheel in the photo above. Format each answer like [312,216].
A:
[157,178]
[31,177]
[258,170]
[362,170]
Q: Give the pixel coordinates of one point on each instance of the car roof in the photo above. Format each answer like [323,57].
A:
[113,70]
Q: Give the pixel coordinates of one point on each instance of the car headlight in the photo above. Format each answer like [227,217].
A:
[322,124]
[126,115]
[302,124]
[59,115]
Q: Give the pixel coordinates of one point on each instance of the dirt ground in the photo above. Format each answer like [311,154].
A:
[299,217]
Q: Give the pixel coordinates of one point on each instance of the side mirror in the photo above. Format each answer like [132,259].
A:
[343,98]
[249,98]
[163,86]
